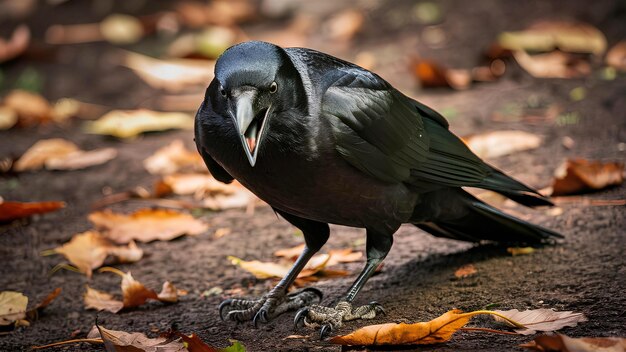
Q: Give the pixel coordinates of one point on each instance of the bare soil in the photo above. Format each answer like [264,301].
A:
[585,272]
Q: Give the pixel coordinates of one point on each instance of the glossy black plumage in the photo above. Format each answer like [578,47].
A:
[338,144]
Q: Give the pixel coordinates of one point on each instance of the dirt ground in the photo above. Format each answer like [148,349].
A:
[585,272]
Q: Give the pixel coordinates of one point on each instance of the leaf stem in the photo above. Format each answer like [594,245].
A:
[490,312]
[67,342]
[490,330]
[113,270]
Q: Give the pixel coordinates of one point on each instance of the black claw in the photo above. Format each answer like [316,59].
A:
[223,305]
[325,331]
[378,307]
[300,316]
[260,317]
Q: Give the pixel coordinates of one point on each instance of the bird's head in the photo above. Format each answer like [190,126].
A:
[253,82]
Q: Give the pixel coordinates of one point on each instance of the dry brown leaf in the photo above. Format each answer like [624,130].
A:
[616,57]
[266,270]
[520,250]
[12,307]
[540,319]
[16,210]
[120,341]
[562,343]
[345,25]
[134,294]
[88,250]
[33,313]
[550,35]
[343,256]
[435,331]
[290,253]
[465,271]
[430,74]
[60,154]
[171,75]
[193,343]
[31,108]
[555,64]
[146,225]
[130,123]
[16,45]
[498,143]
[580,175]
[174,158]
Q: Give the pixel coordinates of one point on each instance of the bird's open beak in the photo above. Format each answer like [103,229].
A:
[250,123]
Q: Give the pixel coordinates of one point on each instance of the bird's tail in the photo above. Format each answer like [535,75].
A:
[511,188]
[468,219]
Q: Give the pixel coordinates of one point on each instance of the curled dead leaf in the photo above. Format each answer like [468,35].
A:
[130,123]
[174,158]
[540,319]
[16,210]
[134,294]
[616,57]
[15,45]
[563,343]
[266,270]
[60,154]
[33,313]
[88,251]
[123,341]
[498,143]
[580,175]
[435,331]
[549,35]
[171,75]
[146,225]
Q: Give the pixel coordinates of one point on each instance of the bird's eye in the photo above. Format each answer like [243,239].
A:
[223,92]
[273,87]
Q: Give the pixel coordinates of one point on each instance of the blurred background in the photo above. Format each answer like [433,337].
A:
[97,99]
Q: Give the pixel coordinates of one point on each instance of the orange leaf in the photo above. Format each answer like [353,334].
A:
[146,225]
[465,271]
[435,331]
[580,175]
[134,292]
[174,158]
[290,253]
[16,210]
[60,154]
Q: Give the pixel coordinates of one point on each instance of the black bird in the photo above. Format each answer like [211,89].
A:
[324,141]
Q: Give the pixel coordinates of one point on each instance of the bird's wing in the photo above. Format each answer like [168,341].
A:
[394,138]
[376,129]
[214,168]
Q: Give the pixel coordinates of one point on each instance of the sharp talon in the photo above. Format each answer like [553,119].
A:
[222,306]
[325,331]
[259,317]
[300,316]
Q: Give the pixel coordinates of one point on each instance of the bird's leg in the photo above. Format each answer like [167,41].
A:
[277,301]
[332,318]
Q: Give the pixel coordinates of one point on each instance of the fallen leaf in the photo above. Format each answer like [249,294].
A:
[60,154]
[290,253]
[121,29]
[174,158]
[12,307]
[134,294]
[171,75]
[430,74]
[465,271]
[222,231]
[549,35]
[16,45]
[31,108]
[16,210]
[236,346]
[33,313]
[88,250]
[555,64]
[130,123]
[520,250]
[343,256]
[266,270]
[499,143]
[435,331]
[208,44]
[120,341]
[616,57]
[146,225]
[226,13]
[8,118]
[540,319]
[562,343]
[580,175]
[345,25]
[193,343]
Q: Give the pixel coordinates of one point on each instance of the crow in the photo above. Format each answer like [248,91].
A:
[324,141]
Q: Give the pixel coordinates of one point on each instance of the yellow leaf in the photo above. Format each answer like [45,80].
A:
[130,123]
[520,250]
[12,307]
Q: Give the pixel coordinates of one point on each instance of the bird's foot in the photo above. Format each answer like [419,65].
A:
[267,307]
[330,319]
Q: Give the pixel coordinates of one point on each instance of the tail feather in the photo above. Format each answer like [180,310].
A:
[513,189]
[478,221]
